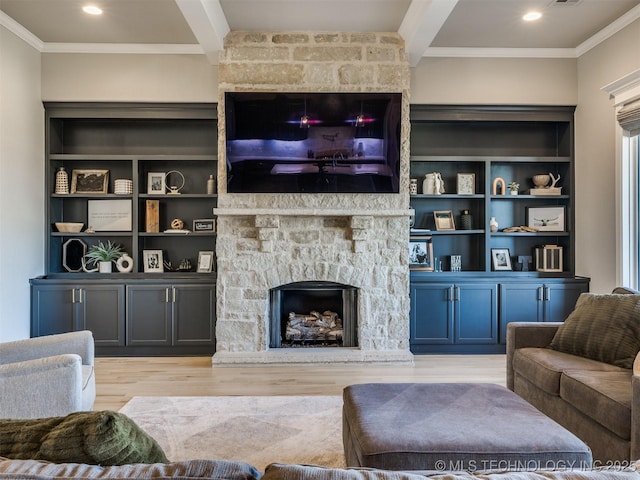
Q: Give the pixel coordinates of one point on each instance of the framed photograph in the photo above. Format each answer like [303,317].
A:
[156,183]
[204,225]
[89,181]
[546,219]
[500,259]
[109,215]
[466,183]
[444,220]
[153,261]
[205,262]
[421,253]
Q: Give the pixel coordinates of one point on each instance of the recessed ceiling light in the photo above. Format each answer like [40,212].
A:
[531,16]
[92,10]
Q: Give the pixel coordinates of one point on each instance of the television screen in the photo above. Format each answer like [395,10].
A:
[313,142]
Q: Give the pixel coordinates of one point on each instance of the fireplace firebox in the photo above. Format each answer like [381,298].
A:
[313,314]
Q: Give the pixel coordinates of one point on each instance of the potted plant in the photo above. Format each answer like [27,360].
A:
[513,188]
[102,255]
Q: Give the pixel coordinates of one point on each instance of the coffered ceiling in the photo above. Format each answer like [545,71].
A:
[567,28]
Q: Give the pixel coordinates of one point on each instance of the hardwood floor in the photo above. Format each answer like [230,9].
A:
[120,379]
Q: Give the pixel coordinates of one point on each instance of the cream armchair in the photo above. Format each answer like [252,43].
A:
[47,376]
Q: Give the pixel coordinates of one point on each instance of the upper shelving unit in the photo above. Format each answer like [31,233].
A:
[471,147]
[132,142]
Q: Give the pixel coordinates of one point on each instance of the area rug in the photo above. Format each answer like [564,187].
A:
[258,429]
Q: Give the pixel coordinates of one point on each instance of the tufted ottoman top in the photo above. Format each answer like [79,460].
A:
[453,426]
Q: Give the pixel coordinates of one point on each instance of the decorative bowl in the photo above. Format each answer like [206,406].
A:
[69,227]
[542,180]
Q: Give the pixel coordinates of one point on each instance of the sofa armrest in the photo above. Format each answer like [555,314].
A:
[527,334]
[45,387]
[79,343]
[635,414]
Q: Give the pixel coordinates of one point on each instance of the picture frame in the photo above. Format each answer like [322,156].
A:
[421,253]
[156,183]
[109,215]
[153,261]
[546,219]
[501,259]
[466,183]
[444,220]
[89,181]
[204,225]
[205,262]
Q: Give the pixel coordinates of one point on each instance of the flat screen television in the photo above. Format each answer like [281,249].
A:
[313,142]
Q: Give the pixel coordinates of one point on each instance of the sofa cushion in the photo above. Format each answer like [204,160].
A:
[543,367]
[602,327]
[311,472]
[210,469]
[605,397]
[102,437]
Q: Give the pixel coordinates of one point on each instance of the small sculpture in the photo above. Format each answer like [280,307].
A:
[503,186]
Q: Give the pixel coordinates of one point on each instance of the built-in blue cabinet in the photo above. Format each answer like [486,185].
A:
[454,317]
[477,151]
[538,301]
[471,316]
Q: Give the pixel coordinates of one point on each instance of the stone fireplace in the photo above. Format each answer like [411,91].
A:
[269,240]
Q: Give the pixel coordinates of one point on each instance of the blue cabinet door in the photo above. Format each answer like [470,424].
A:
[149,315]
[476,313]
[520,302]
[431,314]
[102,311]
[53,309]
[561,299]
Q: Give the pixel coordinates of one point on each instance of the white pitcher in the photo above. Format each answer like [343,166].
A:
[432,184]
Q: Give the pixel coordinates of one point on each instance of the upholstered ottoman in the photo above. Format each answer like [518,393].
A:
[452,426]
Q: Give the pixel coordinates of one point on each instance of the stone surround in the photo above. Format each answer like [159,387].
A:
[267,240]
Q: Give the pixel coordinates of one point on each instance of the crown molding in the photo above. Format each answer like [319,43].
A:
[18,30]
[124,48]
[608,31]
[500,52]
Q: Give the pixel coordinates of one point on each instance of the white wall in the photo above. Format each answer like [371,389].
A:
[595,155]
[137,78]
[21,182]
[500,81]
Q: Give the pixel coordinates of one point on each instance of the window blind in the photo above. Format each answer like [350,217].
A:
[629,117]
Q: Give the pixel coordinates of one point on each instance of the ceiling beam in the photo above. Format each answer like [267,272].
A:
[421,24]
[208,24]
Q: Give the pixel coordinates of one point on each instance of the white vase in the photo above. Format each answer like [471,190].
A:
[493,224]
[514,192]
[104,267]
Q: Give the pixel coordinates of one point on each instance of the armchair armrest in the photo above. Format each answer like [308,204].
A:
[78,343]
[527,334]
[42,387]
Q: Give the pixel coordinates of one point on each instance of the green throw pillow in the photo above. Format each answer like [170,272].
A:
[603,327]
[98,438]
